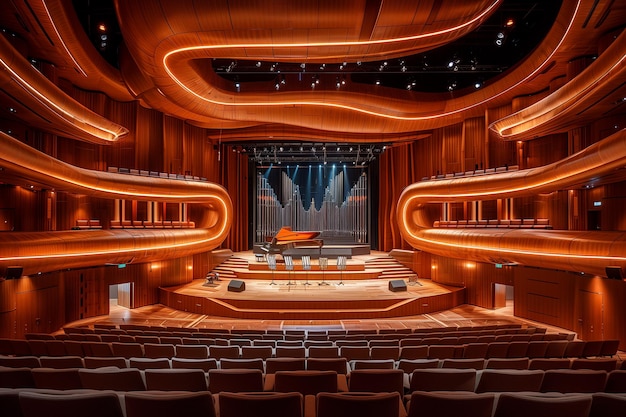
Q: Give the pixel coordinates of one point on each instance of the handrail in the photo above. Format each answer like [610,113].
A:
[579,251]
[50,251]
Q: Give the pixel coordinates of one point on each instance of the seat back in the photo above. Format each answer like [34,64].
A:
[204,364]
[524,405]
[377,380]
[272,365]
[263,404]
[58,379]
[61,362]
[443,380]
[569,380]
[16,378]
[242,364]
[509,380]
[175,379]
[306,382]
[607,405]
[339,365]
[235,380]
[99,404]
[165,404]
[112,379]
[451,404]
[358,404]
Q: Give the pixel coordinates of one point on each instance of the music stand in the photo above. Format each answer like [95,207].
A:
[341,266]
[306,266]
[271,263]
[323,265]
[289,267]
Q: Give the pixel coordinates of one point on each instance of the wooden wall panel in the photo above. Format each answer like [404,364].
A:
[453,158]
[149,140]
[474,143]
[173,131]
[544,295]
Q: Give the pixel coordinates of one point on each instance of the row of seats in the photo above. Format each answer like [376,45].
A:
[350,349]
[145,173]
[34,403]
[83,224]
[305,334]
[384,340]
[472,173]
[153,224]
[313,381]
[338,364]
[496,223]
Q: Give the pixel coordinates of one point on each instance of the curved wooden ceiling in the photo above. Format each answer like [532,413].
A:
[169,45]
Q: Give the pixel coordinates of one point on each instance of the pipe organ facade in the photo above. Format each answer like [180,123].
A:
[342,212]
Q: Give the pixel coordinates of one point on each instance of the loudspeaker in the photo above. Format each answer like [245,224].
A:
[614,272]
[396,285]
[236,286]
[14,272]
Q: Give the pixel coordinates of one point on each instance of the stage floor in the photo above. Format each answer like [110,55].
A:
[362,291]
[350,290]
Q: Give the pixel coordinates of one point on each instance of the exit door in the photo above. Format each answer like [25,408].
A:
[591,315]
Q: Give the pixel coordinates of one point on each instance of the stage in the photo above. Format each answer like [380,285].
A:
[361,291]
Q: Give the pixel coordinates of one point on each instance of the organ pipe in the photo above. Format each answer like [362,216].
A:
[342,212]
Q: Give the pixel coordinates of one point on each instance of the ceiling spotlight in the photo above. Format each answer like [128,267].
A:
[499,42]
[450,64]
[258,64]
[478,84]
[323,67]
[377,82]
[102,27]
[509,23]
[500,35]
[303,65]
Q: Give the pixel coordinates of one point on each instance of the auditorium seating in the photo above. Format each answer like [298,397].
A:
[446,363]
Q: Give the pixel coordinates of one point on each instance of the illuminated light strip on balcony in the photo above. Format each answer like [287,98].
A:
[172,53]
[43,3]
[514,251]
[120,251]
[546,106]
[111,136]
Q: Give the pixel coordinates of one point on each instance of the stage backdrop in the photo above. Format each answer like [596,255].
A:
[332,199]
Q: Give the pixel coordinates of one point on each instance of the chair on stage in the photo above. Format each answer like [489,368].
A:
[323,267]
[271,264]
[306,266]
[289,268]
[341,266]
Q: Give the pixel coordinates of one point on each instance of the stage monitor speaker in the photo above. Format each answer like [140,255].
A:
[236,285]
[397,285]
[614,272]
[14,272]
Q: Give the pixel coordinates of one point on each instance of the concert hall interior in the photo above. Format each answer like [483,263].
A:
[313,166]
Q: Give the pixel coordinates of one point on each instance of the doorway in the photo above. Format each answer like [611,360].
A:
[594,220]
[121,294]
[503,296]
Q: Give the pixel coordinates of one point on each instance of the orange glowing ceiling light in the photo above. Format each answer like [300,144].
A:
[232,102]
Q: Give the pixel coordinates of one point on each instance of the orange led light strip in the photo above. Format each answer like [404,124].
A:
[172,53]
